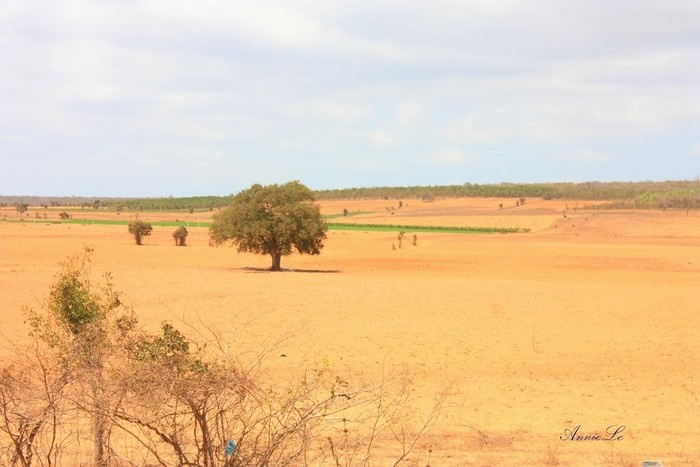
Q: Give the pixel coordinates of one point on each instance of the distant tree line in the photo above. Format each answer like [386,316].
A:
[598,191]
[684,194]
[191,203]
[677,199]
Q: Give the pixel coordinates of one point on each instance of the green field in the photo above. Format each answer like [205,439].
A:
[331,226]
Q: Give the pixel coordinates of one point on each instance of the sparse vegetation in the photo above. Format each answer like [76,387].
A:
[160,398]
[400,237]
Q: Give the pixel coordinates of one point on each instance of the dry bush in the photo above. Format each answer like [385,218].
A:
[160,399]
[32,404]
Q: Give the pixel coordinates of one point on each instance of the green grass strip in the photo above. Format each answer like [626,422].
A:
[110,222]
[331,226]
[423,228]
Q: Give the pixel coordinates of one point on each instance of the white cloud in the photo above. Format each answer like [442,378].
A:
[409,112]
[583,155]
[312,80]
[463,130]
[201,154]
[334,110]
[382,139]
[448,156]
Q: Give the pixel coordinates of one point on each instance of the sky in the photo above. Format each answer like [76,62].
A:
[205,97]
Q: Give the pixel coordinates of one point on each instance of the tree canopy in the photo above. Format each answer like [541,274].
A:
[272,220]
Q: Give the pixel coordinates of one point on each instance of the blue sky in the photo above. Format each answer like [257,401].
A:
[158,98]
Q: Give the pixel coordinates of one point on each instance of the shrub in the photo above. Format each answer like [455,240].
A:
[180,236]
[140,229]
[174,403]
[400,237]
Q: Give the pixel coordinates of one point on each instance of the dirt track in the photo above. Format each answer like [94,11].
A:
[590,319]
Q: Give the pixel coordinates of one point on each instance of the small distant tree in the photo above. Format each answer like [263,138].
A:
[272,220]
[522,201]
[180,236]
[21,208]
[64,215]
[140,229]
[400,237]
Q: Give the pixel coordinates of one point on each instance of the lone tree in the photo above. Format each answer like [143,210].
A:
[21,208]
[180,236]
[400,237]
[140,229]
[272,220]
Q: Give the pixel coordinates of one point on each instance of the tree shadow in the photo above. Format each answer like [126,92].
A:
[314,271]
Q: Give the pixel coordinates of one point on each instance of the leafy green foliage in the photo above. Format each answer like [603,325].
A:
[76,313]
[272,220]
[140,229]
[170,350]
[73,302]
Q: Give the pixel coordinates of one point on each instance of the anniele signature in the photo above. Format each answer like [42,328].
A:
[612,433]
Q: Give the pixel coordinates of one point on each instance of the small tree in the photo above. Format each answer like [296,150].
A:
[400,237]
[180,236]
[140,229]
[76,326]
[64,215]
[272,220]
[21,208]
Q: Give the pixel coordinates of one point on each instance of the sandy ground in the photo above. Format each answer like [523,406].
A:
[590,319]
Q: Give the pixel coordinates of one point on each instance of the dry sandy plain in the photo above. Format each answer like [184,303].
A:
[590,319]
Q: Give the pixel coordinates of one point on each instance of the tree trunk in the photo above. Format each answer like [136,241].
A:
[98,421]
[276,261]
